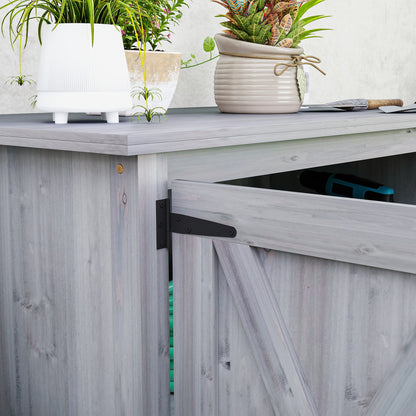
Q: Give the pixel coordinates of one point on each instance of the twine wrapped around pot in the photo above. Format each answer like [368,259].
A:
[295,61]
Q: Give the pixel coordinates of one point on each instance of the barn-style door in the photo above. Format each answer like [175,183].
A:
[309,310]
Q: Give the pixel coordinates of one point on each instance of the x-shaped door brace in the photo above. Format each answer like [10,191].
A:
[274,351]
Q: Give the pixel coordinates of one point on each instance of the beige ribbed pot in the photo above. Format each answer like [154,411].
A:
[162,74]
[248,84]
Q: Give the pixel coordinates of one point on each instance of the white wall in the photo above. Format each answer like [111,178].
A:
[370,53]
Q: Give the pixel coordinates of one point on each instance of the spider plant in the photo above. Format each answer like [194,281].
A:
[143,92]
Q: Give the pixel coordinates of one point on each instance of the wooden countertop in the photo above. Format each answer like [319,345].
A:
[187,129]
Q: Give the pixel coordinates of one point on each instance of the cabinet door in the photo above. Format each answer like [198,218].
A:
[308,310]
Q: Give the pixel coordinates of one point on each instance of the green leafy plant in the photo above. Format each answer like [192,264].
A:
[157,17]
[270,22]
[208,47]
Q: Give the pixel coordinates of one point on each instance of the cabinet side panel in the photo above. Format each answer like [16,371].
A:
[7,361]
[91,311]
[57,266]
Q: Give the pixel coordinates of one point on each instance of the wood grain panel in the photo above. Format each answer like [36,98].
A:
[357,231]
[84,322]
[266,330]
[348,324]
[241,387]
[127,316]
[187,129]
[220,164]
[153,275]
[397,395]
[7,340]
[195,326]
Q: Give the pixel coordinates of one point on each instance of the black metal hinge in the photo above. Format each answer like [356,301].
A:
[167,223]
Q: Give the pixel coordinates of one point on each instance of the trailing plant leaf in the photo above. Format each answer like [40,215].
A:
[209,44]
[208,47]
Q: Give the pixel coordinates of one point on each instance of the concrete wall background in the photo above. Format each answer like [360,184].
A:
[370,53]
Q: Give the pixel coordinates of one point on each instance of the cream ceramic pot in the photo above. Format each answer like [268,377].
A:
[248,84]
[162,74]
[78,76]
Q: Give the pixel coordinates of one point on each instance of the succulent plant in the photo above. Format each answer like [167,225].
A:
[269,22]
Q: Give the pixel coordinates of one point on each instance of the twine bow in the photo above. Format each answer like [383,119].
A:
[297,61]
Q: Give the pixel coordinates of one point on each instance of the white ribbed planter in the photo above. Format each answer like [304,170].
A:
[162,74]
[76,76]
[249,84]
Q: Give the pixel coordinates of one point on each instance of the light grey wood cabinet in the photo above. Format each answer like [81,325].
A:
[84,289]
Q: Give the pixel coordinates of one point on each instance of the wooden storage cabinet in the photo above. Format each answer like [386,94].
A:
[304,313]
[309,310]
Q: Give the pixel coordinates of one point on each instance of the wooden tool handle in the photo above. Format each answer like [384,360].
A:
[372,104]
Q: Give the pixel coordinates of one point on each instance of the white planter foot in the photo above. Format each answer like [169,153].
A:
[110,117]
[60,118]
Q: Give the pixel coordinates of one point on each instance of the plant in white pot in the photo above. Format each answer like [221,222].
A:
[260,66]
[153,72]
[82,64]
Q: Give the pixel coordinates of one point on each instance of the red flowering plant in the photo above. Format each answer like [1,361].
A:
[157,17]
